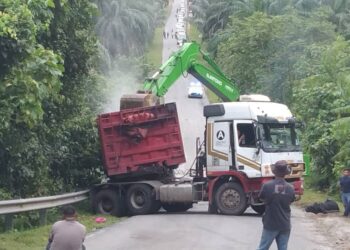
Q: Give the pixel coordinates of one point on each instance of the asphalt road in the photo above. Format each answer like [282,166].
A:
[197,229]
[190,110]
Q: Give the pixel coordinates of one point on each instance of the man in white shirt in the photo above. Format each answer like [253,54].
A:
[67,234]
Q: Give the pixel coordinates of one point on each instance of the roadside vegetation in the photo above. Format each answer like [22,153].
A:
[36,238]
[312,195]
[297,53]
[57,58]
[193,33]
[154,53]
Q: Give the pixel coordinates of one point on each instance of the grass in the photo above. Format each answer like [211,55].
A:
[311,196]
[154,52]
[36,238]
[193,33]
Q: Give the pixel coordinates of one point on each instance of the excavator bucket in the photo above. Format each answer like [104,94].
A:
[138,100]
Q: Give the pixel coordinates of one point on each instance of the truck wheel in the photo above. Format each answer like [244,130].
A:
[141,199]
[176,207]
[260,209]
[230,199]
[109,202]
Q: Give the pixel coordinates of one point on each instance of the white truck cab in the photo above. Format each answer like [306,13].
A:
[250,135]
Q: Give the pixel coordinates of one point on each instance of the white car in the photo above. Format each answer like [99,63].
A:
[195,90]
[180,29]
[181,35]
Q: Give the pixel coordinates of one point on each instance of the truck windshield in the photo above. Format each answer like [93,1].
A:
[278,137]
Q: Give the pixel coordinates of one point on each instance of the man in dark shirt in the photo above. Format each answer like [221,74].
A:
[277,195]
[344,182]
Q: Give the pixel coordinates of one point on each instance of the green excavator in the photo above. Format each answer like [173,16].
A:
[189,59]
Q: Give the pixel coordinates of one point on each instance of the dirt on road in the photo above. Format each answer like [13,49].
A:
[334,227]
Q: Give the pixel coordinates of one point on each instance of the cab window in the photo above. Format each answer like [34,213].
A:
[246,135]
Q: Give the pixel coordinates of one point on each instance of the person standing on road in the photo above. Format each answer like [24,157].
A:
[344,182]
[277,195]
[67,234]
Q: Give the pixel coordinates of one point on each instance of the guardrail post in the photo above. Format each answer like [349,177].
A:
[8,222]
[42,217]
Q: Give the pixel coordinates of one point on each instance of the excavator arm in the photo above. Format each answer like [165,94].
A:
[187,60]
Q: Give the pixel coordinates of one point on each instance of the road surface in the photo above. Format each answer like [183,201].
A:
[197,229]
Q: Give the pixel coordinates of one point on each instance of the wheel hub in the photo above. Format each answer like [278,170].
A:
[230,198]
[138,199]
[106,205]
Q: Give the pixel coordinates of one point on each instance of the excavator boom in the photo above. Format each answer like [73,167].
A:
[185,60]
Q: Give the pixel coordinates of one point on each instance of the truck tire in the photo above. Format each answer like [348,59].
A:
[141,199]
[260,209]
[176,207]
[230,199]
[109,202]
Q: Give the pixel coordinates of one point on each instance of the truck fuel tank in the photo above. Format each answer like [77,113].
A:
[176,193]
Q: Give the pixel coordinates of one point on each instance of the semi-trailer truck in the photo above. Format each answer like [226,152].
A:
[142,146]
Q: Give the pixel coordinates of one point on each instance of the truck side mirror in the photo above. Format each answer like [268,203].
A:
[257,133]
[258,147]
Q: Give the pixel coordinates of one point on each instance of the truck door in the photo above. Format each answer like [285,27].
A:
[247,157]
[219,148]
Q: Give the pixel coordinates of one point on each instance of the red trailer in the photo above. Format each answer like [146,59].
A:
[141,141]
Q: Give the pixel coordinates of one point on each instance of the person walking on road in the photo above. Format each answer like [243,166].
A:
[277,195]
[67,234]
[344,182]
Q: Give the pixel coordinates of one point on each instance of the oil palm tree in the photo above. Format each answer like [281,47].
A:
[125,26]
[341,16]
[211,15]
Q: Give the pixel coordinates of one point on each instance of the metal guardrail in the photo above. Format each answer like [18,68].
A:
[23,205]
[10,207]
